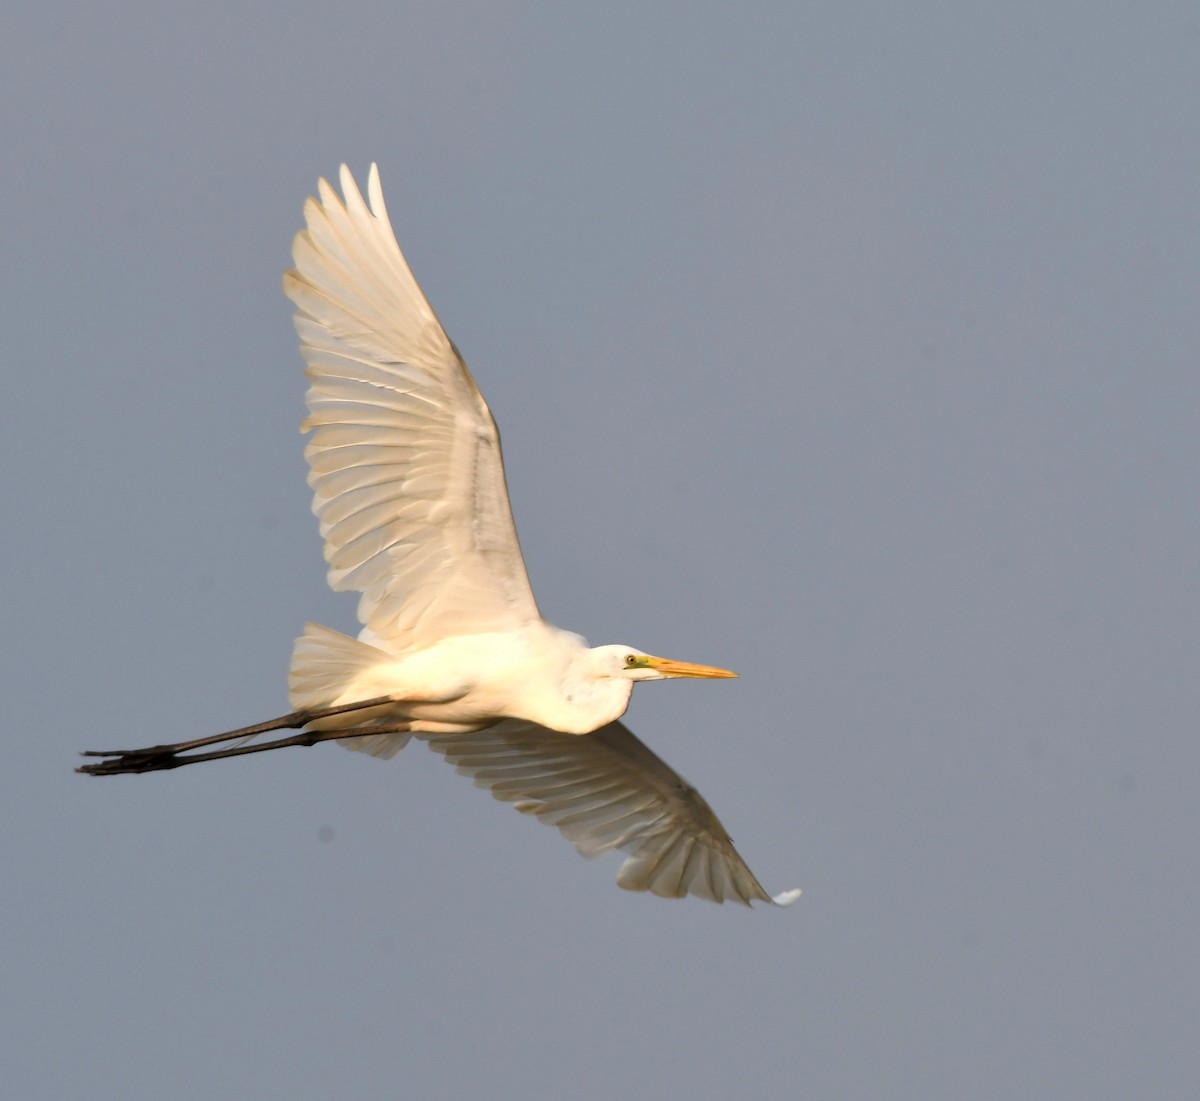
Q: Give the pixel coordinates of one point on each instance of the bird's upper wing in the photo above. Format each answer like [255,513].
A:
[405,461]
[607,790]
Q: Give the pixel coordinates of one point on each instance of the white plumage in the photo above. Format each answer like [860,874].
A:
[405,462]
[408,486]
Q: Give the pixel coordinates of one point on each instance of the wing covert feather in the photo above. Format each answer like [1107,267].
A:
[405,461]
[607,790]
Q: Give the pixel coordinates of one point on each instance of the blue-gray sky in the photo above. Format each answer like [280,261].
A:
[851,346]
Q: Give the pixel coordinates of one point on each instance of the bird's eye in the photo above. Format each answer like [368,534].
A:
[631,661]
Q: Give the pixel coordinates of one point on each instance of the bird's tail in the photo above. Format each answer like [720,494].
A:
[325,666]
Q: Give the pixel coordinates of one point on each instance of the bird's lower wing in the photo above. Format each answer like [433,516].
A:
[606,790]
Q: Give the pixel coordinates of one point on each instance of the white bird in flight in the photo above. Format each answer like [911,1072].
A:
[409,488]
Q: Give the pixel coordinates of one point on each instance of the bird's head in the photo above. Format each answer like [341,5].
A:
[626,663]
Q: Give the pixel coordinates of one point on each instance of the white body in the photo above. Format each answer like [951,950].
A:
[538,673]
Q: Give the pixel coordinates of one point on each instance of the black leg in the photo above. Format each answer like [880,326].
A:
[155,757]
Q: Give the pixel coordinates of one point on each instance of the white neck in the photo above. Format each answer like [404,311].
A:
[584,701]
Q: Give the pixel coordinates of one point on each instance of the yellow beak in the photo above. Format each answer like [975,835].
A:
[669,668]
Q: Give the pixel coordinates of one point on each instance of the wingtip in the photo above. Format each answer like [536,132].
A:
[786,898]
[375,195]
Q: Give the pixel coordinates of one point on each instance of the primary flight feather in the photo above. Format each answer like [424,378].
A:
[408,486]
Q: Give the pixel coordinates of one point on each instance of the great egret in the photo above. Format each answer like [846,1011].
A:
[409,488]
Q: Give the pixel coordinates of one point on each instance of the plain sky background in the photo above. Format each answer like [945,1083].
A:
[853,346]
